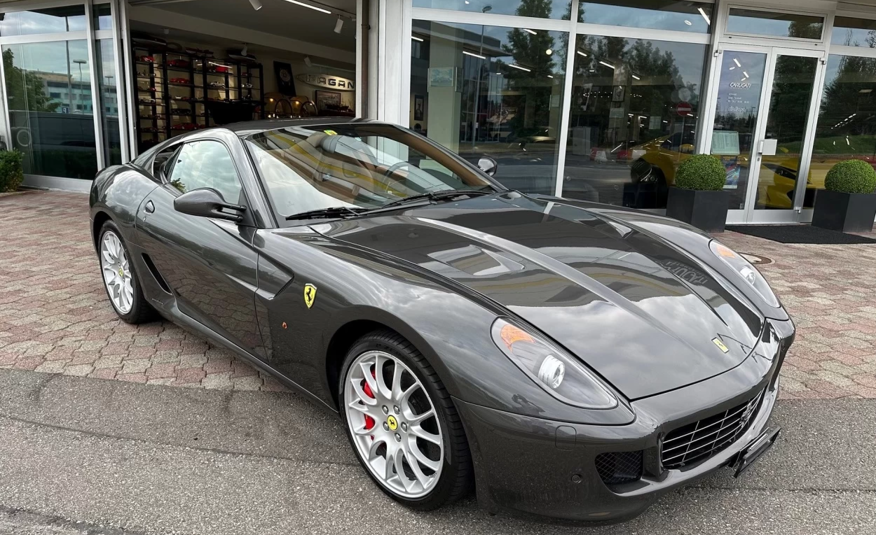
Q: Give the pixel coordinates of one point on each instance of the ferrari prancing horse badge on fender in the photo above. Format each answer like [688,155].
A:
[309,294]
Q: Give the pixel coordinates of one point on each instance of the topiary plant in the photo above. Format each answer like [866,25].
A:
[701,172]
[851,176]
[11,174]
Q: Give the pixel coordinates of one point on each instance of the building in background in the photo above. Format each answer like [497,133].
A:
[596,101]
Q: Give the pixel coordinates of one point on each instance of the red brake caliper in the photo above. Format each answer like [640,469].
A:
[369,421]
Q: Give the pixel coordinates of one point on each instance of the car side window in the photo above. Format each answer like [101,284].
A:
[206,164]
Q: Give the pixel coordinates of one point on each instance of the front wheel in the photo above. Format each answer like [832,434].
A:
[402,423]
[119,278]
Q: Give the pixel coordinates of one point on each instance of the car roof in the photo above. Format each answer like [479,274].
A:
[247,128]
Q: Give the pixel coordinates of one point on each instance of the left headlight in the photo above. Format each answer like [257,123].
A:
[559,374]
[748,272]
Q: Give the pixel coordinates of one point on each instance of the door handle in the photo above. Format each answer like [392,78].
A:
[150,208]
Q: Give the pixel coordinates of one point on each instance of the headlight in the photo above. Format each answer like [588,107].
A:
[749,273]
[559,374]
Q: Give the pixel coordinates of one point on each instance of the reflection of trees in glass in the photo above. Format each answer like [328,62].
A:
[848,108]
[791,94]
[649,75]
[25,90]
[530,52]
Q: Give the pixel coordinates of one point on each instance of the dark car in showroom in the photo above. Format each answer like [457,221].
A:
[564,359]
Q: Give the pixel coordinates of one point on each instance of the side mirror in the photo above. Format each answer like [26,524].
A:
[207,202]
[488,165]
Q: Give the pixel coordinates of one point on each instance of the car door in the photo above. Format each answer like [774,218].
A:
[206,265]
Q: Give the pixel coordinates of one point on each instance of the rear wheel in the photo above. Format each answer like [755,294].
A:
[119,279]
[402,423]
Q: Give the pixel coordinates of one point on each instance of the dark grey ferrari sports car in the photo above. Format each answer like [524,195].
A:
[566,359]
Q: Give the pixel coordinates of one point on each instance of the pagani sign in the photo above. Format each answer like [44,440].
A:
[328,81]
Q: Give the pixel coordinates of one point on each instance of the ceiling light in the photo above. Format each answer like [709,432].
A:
[689,23]
[548,51]
[609,65]
[527,30]
[302,4]
[550,76]
[736,61]
[865,91]
[745,73]
[467,53]
[415,38]
[636,77]
[703,13]
[731,68]
[582,54]
[256,4]
[519,67]
[339,25]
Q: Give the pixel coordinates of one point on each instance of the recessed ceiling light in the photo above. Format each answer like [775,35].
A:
[582,54]
[548,51]
[689,23]
[467,53]
[415,38]
[519,67]
[302,4]
[636,77]
[703,13]
[865,91]
[609,65]
[736,61]
[530,31]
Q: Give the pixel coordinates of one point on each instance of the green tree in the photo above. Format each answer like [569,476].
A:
[25,90]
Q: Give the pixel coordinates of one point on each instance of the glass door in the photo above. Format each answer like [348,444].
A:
[762,129]
[782,154]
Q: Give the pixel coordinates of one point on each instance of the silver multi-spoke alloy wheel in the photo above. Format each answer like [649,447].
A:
[394,424]
[116,272]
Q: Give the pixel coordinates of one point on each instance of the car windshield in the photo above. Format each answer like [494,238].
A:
[355,166]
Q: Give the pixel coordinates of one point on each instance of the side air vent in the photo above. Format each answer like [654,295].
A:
[152,269]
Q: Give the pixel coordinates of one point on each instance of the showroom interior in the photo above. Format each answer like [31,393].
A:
[598,101]
[161,69]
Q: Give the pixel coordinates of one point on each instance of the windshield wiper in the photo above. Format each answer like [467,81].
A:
[327,213]
[436,196]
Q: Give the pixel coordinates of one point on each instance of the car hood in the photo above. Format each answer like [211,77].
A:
[640,312]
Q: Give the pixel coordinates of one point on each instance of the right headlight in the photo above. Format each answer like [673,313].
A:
[748,272]
[559,374]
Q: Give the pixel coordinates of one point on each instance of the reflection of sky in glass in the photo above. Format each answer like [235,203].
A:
[686,19]
[740,85]
[854,32]
[496,39]
[558,8]
[49,21]
[56,58]
[752,22]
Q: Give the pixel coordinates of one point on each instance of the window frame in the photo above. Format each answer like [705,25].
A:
[242,201]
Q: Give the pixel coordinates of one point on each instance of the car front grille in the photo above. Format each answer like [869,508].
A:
[700,440]
[619,467]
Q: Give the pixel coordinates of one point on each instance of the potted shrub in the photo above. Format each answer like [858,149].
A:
[11,174]
[847,203]
[698,195]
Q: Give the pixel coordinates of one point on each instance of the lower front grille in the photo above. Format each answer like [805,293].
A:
[619,467]
[700,440]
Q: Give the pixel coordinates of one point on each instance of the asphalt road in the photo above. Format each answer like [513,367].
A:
[89,456]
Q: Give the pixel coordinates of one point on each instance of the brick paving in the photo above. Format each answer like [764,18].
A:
[55,316]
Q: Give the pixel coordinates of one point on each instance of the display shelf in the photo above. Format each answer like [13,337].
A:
[172,97]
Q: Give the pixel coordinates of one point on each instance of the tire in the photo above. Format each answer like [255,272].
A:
[133,309]
[451,478]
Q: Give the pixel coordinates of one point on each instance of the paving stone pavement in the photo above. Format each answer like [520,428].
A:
[55,316]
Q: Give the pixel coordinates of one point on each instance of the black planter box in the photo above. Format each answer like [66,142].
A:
[706,210]
[845,212]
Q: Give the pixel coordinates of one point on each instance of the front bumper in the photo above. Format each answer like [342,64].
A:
[547,468]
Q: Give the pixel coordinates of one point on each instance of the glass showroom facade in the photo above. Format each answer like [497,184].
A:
[601,101]
[598,101]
